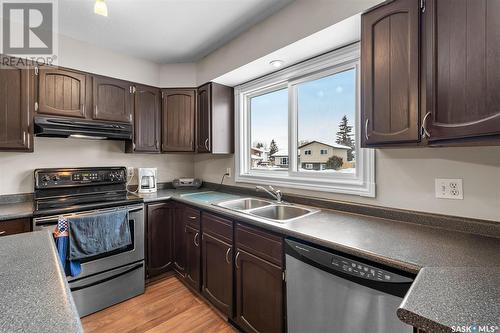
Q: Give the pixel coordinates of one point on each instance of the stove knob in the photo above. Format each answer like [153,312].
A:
[45,178]
[55,178]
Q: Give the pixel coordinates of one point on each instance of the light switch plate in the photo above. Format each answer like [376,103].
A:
[449,188]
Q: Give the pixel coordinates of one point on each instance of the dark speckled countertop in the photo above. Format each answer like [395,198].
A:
[35,295]
[451,266]
[16,210]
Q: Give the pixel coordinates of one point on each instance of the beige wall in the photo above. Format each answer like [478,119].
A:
[405,179]
[17,168]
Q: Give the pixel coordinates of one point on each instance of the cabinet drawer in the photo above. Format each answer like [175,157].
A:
[218,226]
[17,226]
[262,244]
[192,217]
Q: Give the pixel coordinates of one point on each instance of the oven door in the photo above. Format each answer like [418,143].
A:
[110,260]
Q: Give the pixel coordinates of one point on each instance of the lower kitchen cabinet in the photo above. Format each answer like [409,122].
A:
[259,294]
[160,227]
[217,262]
[16,226]
[259,280]
[179,242]
[193,276]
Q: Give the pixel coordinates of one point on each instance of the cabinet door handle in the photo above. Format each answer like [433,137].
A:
[425,133]
[227,255]
[195,240]
[193,217]
[206,144]
[2,232]
[366,128]
[236,260]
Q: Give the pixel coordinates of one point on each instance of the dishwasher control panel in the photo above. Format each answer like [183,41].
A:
[346,265]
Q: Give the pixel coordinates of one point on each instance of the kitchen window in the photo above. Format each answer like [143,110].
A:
[299,127]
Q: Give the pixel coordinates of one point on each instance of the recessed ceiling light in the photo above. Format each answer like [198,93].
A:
[277,63]
[100,8]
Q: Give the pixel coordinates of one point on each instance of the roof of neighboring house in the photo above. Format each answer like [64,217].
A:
[256,157]
[335,145]
[280,153]
[260,149]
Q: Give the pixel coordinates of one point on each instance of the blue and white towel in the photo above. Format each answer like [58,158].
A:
[61,236]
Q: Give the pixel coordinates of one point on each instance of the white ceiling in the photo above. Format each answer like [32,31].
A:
[163,31]
[340,34]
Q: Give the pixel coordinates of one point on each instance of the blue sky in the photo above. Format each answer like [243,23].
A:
[322,104]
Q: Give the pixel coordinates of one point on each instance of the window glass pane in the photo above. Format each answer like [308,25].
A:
[269,131]
[326,117]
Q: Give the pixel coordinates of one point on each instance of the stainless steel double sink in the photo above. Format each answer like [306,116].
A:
[269,210]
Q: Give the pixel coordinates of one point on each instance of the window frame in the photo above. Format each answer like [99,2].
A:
[362,182]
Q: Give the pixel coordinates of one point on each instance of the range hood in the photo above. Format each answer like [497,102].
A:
[88,129]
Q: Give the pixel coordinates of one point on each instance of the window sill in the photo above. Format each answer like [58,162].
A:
[341,186]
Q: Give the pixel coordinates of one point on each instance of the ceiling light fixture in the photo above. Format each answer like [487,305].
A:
[277,63]
[100,8]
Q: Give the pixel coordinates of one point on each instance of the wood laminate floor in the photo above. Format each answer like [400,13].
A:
[166,306]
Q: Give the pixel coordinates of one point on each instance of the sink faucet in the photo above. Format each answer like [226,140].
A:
[276,194]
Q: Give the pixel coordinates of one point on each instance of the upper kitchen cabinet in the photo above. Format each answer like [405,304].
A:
[62,92]
[147,114]
[113,99]
[214,119]
[16,91]
[178,124]
[390,74]
[463,53]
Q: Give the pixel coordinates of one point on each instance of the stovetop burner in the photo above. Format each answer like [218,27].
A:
[67,190]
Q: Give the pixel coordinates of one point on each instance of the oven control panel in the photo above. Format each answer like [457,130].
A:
[54,178]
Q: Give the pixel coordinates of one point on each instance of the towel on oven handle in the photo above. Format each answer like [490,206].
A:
[61,237]
[95,234]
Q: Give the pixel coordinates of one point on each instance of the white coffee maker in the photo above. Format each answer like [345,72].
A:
[147,180]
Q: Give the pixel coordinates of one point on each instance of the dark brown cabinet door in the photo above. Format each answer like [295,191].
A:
[112,99]
[259,294]
[390,74]
[62,92]
[217,266]
[146,119]
[160,226]
[12,227]
[179,241]
[464,50]
[15,108]
[193,257]
[178,120]
[203,119]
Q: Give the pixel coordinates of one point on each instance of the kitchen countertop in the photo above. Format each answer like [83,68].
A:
[446,261]
[35,295]
[16,210]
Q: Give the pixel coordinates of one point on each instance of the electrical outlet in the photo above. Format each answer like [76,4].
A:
[449,189]
[228,172]
[130,172]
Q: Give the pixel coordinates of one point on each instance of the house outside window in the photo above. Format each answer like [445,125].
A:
[307,119]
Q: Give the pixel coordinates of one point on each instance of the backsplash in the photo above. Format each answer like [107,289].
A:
[16,169]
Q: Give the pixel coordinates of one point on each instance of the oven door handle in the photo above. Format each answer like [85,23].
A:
[126,270]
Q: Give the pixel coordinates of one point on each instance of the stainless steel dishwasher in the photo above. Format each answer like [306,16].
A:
[331,292]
